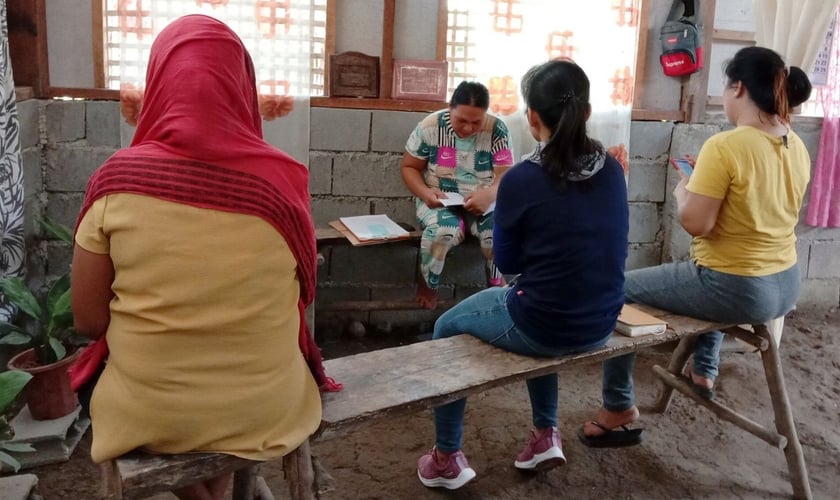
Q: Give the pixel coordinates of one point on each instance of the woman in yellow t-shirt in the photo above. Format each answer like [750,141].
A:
[194,259]
[741,204]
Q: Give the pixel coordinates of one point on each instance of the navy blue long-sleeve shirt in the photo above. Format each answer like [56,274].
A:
[569,246]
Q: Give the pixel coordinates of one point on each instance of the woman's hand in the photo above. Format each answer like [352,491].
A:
[432,196]
[479,200]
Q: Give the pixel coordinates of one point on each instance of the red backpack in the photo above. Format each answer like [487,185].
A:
[682,48]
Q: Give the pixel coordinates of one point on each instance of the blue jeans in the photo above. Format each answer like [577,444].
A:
[690,290]
[484,315]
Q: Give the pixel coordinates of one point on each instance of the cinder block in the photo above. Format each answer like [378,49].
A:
[646,181]
[333,322]
[464,265]
[126,134]
[645,222]
[810,135]
[368,174]
[320,173]
[334,129]
[649,139]
[69,168]
[329,209]
[392,263]
[102,123]
[59,257]
[64,207]
[824,259]
[32,188]
[65,121]
[390,130]
[819,293]
[688,138]
[20,486]
[643,255]
[29,113]
[398,209]
[806,232]
[464,291]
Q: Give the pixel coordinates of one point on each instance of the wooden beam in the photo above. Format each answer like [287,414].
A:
[641,48]
[668,115]
[27,23]
[99,55]
[386,66]
[380,104]
[442,26]
[80,93]
[698,83]
[734,36]
[329,43]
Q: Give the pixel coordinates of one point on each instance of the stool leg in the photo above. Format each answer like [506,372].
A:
[784,416]
[298,468]
[244,483]
[678,360]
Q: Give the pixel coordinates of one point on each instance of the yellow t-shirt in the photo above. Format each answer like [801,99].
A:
[762,184]
[203,333]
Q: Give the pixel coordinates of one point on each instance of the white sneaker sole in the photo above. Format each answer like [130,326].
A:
[552,457]
[463,478]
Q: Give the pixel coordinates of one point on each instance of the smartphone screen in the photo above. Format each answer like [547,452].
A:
[682,165]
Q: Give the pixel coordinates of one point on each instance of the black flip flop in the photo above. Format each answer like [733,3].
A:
[611,438]
[700,390]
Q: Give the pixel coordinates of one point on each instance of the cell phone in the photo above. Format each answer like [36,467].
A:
[682,165]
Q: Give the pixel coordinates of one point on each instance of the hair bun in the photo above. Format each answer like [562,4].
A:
[798,86]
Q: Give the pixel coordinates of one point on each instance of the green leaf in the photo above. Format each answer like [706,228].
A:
[17,447]
[11,383]
[10,461]
[60,314]
[56,230]
[19,294]
[58,290]
[58,348]
[7,328]
[15,338]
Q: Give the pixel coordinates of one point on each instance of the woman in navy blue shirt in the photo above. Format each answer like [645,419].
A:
[561,224]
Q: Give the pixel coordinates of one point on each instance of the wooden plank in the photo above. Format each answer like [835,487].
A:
[380,305]
[381,104]
[329,43]
[386,67]
[442,25]
[734,36]
[641,47]
[99,56]
[670,115]
[24,93]
[97,94]
[27,24]
[144,474]
[698,83]
[381,384]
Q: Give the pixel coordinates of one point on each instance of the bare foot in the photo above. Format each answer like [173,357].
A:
[610,420]
[426,297]
[698,380]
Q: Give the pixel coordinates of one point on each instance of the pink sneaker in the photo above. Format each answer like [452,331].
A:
[543,452]
[455,473]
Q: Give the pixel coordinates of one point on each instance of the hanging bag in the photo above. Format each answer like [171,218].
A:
[682,48]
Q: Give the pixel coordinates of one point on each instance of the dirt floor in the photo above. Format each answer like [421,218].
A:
[687,452]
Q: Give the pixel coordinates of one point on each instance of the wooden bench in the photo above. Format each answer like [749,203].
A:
[402,380]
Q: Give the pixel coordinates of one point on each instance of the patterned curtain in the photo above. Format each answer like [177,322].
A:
[497,41]
[286,39]
[11,173]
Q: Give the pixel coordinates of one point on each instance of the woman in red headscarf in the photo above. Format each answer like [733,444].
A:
[195,256]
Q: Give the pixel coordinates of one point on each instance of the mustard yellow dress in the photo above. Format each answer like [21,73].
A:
[203,333]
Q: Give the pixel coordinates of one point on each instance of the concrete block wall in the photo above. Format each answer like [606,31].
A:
[354,170]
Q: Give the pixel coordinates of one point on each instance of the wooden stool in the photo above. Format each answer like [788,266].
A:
[765,338]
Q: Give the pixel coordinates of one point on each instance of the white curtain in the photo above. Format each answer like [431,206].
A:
[794,28]
[506,38]
[278,35]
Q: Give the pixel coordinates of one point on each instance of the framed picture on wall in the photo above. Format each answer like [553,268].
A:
[353,74]
[419,80]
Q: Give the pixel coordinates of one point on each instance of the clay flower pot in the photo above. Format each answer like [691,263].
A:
[48,394]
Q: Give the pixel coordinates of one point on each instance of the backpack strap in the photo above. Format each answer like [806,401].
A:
[686,11]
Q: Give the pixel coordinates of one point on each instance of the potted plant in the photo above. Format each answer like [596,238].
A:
[11,384]
[45,340]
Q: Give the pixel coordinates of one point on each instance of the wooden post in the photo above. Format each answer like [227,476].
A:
[244,483]
[111,481]
[675,366]
[27,20]
[784,415]
[298,468]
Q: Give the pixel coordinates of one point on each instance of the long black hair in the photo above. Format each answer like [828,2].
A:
[775,89]
[558,91]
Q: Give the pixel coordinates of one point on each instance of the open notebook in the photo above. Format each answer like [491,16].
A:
[633,322]
[367,228]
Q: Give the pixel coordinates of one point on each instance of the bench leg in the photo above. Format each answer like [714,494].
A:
[783,414]
[298,468]
[244,483]
[678,360]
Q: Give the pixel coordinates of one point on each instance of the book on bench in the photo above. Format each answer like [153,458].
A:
[366,229]
[633,322]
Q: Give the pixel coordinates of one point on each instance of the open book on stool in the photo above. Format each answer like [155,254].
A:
[370,229]
[633,322]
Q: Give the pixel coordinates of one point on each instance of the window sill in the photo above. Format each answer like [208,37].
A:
[378,104]
[24,93]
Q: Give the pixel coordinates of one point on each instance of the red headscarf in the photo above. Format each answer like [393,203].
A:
[199,142]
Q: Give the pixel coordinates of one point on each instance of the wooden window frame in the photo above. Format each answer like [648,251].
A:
[30,56]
